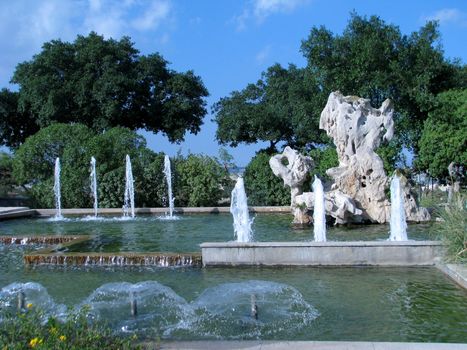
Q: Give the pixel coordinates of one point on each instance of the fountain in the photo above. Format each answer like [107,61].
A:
[58,204]
[239,210]
[168,178]
[93,178]
[129,199]
[398,223]
[319,219]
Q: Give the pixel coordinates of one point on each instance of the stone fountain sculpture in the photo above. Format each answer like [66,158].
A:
[356,130]
[359,182]
[293,168]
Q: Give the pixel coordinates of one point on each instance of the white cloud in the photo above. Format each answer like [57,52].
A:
[448,15]
[263,55]
[259,10]
[26,24]
[264,8]
[152,16]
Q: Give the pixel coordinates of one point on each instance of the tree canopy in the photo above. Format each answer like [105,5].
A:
[444,136]
[374,60]
[276,108]
[371,59]
[101,84]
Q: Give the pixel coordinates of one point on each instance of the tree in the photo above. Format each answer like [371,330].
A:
[101,84]
[14,126]
[261,185]
[444,136]
[374,60]
[281,106]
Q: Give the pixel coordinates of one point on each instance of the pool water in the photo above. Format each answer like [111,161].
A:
[156,234]
[300,303]
[189,303]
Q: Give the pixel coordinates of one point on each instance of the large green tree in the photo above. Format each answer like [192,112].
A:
[101,84]
[371,59]
[374,60]
[444,136]
[276,108]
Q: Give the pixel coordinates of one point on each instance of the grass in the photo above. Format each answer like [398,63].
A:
[454,229]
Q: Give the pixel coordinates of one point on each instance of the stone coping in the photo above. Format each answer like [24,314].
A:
[299,345]
[359,253]
[457,272]
[409,243]
[177,210]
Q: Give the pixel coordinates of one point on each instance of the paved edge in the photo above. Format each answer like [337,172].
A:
[457,272]
[300,345]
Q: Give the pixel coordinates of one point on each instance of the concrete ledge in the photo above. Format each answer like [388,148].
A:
[456,272]
[178,210]
[300,345]
[371,253]
[16,212]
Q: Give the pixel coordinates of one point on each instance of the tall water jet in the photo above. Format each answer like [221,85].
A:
[93,178]
[168,178]
[239,210]
[58,204]
[319,218]
[129,199]
[398,223]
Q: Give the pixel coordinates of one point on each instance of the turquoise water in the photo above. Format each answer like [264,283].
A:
[151,233]
[299,303]
[294,303]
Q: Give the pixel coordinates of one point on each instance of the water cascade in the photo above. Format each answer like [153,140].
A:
[58,204]
[239,210]
[168,178]
[129,200]
[398,224]
[319,219]
[93,178]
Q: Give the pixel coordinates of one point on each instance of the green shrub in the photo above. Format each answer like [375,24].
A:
[199,181]
[454,230]
[29,331]
[262,186]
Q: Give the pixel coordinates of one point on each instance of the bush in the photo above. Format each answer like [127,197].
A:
[199,181]
[28,331]
[6,179]
[454,230]
[34,163]
[262,186]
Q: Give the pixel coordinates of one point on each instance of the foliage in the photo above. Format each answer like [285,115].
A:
[6,168]
[374,60]
[324,159]
[27,330]
[262,186]
[199,180]
[15,126]
[281,106]
[444,136]
[391,154]
[34,162]
[101,84]
[454,230]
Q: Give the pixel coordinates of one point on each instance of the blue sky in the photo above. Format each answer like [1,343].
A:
[227,42]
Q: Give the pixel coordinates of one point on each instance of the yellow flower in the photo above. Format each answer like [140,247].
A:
[29,305]
[35,341]
[62,337]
